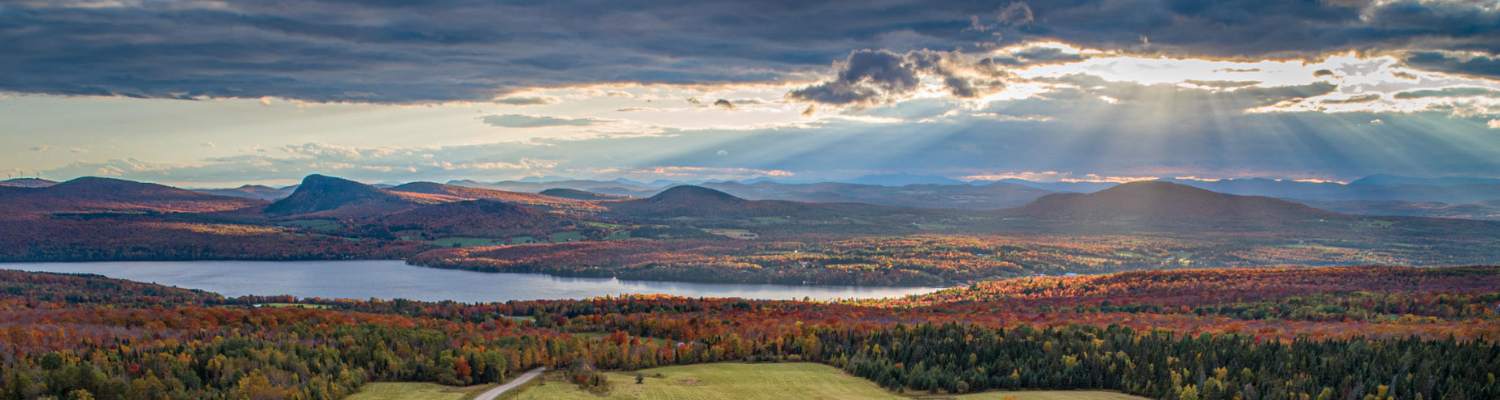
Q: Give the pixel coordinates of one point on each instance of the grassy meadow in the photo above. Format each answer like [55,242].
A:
[780,381]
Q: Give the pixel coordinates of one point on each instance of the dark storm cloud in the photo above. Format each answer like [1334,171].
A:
[1449,92]
[865,76]
[1016,13]
[412,51]
[873,76]
[1484,66]
[1416,31]
[536,121]
[1037,56]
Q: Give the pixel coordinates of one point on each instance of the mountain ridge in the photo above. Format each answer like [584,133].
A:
[325,196]
[97,194]
[1162,205]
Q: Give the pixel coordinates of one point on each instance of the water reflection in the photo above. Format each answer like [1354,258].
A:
[396,279]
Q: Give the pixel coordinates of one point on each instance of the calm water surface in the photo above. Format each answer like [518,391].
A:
[396,279]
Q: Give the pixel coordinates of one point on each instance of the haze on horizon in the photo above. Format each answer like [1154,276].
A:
[220,93]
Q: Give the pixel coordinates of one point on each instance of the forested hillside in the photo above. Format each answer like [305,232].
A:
[1280,334]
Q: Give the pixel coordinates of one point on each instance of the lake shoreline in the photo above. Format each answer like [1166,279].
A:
[3,263]
[393,279]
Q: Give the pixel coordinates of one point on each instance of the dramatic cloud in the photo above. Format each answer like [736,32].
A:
[1087,90]
[1016,13]
[1463,63]
[470,50]
[866,76]
[536,121]
[1449,92]
[876,76]
[1037,55]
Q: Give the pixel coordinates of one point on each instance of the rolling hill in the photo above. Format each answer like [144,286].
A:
[689,201]
[1163,205]
[108,195]
[606,187]
[327,197]
[695,202]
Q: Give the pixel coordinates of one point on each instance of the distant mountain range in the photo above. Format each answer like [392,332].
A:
[97,219]
[698,202]
[1157,205]
[961,197]
[904,179]
[1452,194]
[605,187]
[1384,179]
[102,218]
[1445,197]
[1486,210]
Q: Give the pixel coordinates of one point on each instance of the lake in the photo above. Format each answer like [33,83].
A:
[396,279]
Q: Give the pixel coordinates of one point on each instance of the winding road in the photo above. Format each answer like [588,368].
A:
[521,380]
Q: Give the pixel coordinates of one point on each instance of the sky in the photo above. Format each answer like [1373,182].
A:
[219,93]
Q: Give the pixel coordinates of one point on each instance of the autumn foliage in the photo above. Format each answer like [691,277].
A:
[1203,334]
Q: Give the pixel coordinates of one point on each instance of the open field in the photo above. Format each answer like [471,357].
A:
[414,391]
[733,233]
[783,381]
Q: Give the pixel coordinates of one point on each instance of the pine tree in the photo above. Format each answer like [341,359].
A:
[1188,393]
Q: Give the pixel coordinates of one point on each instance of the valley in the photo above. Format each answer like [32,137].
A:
[698,234]
[424,290]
